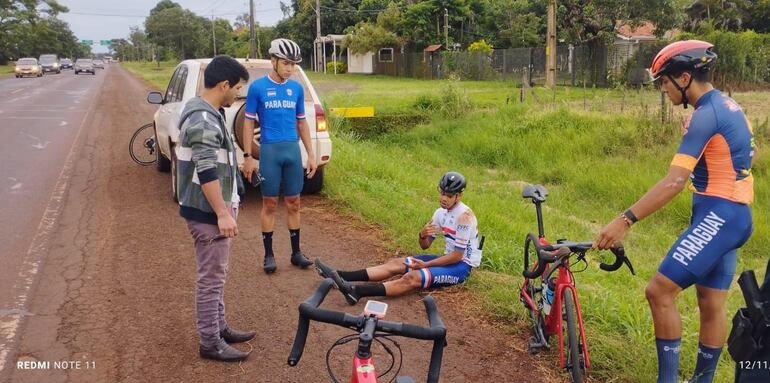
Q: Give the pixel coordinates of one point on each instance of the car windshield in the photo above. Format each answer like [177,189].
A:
[66,61]
[83,62]
[98,61]
[47,59]
[26,62]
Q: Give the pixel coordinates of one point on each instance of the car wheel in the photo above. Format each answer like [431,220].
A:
[163,164]
[315,184]
[174,194]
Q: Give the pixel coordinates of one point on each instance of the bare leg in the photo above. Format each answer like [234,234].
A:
[387,270]
[406,284]
[267,216]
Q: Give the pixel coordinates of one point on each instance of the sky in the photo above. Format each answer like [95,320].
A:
[110,19]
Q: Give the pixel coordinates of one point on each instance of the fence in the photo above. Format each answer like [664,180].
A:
[595,65]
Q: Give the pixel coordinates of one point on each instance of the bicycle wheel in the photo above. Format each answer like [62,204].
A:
[143,145]
[575,362]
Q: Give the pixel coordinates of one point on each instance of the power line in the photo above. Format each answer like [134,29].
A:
[231,13]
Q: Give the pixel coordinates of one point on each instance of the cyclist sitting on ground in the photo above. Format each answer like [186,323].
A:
[716,152]
[454,220]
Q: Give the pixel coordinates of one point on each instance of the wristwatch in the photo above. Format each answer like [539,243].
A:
[246,155]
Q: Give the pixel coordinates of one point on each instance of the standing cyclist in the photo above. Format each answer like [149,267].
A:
[716,152]
[454,221]
[279,103]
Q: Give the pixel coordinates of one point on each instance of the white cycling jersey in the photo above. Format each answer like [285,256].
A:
[460,230]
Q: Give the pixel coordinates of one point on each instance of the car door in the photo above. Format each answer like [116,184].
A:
[178,104]
[163,115]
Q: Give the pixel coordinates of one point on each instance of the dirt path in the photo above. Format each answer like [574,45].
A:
[116,290]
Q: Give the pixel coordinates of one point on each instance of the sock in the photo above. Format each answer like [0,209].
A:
[370,290]
[294,235]
[668,359]
[706,364]
[354,276]
[267,240]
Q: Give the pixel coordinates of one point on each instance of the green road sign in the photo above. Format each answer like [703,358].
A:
[87,42]
[105,42]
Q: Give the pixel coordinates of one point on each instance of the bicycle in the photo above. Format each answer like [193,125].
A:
[541,292]
[368,328]
[143,145]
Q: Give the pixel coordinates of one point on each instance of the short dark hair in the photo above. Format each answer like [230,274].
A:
[697,75]
[224,68]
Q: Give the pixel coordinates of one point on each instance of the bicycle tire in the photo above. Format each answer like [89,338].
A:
[149,157]
[575,363]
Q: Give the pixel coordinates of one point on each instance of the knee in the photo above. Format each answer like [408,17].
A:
[711,308]
[269,204]
[656,296]
[292,204]
[412,279]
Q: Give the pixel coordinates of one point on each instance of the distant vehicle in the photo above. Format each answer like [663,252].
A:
[107,59]
[84,65]
[28,66]
[65,64]
[99,64]
[50,63]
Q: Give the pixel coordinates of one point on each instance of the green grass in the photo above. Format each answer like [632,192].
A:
[156,74]
[595,164]
[597,150]
[6,70]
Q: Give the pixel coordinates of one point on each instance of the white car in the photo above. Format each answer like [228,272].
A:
[187,82]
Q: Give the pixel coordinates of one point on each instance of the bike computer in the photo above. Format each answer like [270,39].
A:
[376,308]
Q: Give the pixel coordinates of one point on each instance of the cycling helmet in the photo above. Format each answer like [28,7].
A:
[452,182]
[683,56]
[285,49]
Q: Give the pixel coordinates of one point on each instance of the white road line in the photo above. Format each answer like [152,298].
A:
[37,248]
[63,123]
[17,90]
[16,186]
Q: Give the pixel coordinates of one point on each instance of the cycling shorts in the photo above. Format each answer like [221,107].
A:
[706,252]
[440,276]
[280,165]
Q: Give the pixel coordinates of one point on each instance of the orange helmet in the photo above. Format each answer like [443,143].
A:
[683,56]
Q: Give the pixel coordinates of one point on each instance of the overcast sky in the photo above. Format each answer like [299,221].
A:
[110,19]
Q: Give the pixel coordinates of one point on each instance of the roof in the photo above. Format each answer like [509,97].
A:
[433,48]
[645,31]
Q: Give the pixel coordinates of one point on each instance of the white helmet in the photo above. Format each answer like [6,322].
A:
[285,49]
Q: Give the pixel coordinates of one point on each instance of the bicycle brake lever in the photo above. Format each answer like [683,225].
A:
[628,263]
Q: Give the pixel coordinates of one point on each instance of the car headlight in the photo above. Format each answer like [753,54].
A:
[18,69]
[55,65]
[34,67]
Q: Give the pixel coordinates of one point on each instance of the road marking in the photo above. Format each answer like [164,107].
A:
[63,123]
[17,90]
[33,257]
[16,186]
[40,145]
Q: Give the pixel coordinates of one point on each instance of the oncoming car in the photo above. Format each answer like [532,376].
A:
[28,66]
[187,82]
[84,65]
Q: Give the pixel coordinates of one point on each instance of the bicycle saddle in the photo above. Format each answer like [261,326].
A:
[535,192]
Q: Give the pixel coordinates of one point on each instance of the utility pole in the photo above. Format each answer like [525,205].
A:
[550,48]
[316,47]
[446,29]
[213,34]
[252,41]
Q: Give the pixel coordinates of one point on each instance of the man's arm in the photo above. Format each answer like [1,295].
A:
[448,259]
[250,115]
[303,129]
[657,197]
[227,225]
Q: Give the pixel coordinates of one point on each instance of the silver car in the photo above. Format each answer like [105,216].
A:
[84,65]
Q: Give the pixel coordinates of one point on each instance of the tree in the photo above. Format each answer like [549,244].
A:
[178,30]
[367,37]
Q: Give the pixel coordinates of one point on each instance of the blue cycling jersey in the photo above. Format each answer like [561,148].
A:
[278,107]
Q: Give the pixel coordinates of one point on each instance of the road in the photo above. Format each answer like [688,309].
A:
[98,268]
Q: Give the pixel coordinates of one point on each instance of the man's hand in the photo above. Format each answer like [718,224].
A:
[249,167]
[311,166]
[227,225]
[613,233]
[429,230]
[416,264]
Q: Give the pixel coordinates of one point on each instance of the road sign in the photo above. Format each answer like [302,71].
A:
[87,42]
[105,42]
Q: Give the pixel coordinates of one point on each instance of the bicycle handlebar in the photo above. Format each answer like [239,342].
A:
[309,310]
[551,253]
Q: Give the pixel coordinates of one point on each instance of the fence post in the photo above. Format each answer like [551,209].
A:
[529,70]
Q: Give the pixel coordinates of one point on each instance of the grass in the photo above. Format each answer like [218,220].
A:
[6,70]
[156,74]
[597,150]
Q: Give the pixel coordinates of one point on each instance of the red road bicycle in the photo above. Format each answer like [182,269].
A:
[369,328]
[551,300]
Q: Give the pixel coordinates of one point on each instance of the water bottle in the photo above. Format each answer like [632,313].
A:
[547,297]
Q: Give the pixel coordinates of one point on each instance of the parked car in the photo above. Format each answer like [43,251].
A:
[187,82]
[65,63]
[50,63]
[99,64]
[28,66]
[84,65]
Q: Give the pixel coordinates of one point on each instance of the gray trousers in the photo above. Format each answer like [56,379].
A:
[211,256]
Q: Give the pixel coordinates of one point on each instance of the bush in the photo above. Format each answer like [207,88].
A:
[341,67]
[743,57]
[427,102]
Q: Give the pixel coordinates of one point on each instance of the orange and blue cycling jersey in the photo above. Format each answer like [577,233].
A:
[717,147]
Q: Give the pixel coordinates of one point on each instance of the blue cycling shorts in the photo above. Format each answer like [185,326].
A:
[440,276]
[280,164]
[706,252]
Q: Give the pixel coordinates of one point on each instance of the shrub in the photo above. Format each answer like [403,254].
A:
[341,67]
